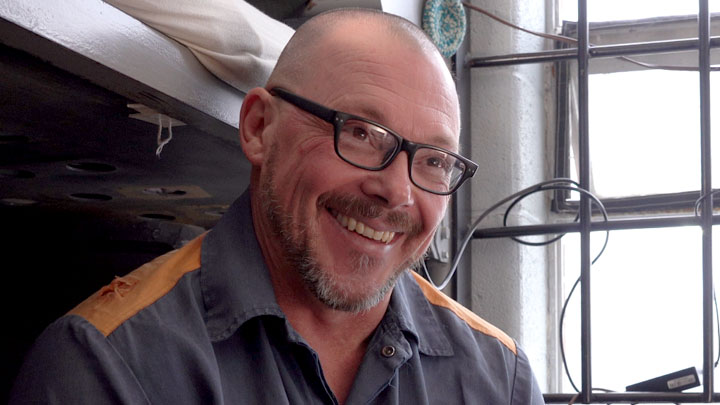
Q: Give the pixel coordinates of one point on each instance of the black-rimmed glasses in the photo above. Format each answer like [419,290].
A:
[369,145]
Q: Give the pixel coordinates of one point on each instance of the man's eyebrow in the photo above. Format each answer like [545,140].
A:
[371,113]
[443,142]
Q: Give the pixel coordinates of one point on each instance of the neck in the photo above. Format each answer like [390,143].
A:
[339,338]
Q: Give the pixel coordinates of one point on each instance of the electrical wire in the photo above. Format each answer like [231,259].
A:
[577,282]
[555,37]
[522,242]
[554,184]
[701,199]
[473,227]
[572,41]
[715,301]
[575,397]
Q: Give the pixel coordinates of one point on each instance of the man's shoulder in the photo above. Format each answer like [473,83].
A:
[125,296]
[464,316]
[483,360]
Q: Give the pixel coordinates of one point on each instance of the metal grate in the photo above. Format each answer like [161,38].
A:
[582,54]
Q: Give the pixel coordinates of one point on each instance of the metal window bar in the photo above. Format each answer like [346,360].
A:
[584,53]
[707,204]
[583,56]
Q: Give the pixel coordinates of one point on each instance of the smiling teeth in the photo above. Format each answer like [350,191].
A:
[356,226]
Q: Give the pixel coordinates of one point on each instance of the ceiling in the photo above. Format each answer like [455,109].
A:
[67,145]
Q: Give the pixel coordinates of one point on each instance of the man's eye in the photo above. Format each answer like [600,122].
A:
[360,133]
[437,162]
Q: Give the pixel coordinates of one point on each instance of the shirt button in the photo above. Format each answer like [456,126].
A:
[388,351]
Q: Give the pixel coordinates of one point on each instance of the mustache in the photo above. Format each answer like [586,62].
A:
[358,207]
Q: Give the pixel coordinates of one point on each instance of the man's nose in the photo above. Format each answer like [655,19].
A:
[392,185]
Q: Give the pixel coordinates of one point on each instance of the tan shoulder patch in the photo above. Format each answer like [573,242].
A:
[438,298]
[125,296]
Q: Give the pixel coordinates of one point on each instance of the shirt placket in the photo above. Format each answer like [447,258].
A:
[388,351]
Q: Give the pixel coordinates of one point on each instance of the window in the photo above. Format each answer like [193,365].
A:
[644,123]
[644,127]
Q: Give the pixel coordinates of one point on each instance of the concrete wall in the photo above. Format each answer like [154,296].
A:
[512,284]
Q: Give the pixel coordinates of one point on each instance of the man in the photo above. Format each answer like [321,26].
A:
[301,293]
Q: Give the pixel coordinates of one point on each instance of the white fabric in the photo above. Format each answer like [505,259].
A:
[232,39]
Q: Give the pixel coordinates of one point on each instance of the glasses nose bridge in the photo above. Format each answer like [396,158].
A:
[407,147]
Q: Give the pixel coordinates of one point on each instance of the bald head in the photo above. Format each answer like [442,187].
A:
[305,49]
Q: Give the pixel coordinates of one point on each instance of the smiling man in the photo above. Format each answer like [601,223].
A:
[302,293]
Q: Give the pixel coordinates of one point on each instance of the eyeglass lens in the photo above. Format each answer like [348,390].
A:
[370,146]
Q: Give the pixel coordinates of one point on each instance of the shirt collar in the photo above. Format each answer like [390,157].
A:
[234,280]
[413,314]
[236,286]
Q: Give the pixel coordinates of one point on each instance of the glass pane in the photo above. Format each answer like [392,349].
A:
[644,132]
[616,10]
[646,305]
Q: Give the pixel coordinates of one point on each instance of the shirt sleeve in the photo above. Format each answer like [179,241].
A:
[526,390]
[72,362]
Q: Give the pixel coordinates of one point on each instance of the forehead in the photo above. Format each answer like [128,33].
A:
[384,79]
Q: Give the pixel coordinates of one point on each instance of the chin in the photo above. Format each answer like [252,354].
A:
[349,292]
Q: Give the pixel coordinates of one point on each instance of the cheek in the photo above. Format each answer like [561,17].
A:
[432,210]
[305,173]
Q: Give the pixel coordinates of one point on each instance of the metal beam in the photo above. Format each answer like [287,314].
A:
[583,55]
[634,397]
[599,51]
[707,204]
[611,225]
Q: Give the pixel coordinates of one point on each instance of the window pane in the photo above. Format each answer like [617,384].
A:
[646,305]
[645,132]
[616,10]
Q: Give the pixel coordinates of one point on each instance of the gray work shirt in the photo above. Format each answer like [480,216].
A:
[201,325]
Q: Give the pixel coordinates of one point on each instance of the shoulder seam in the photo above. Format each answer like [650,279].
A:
[124,297]
[475,322]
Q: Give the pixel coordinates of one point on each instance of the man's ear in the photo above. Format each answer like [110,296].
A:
[256,115]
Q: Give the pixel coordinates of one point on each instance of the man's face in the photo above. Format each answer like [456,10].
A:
[349,231]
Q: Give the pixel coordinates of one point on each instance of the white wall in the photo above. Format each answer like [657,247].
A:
[512,283]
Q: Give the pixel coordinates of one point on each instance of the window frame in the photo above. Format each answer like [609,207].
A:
[610,33]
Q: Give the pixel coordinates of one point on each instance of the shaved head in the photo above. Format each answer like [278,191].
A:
[300,56]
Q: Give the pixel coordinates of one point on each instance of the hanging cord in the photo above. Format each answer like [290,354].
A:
[160,141]
[715,302]
[701,199]
[554,184]
[573,41]
[559,183]
[575,397]
[475,224]
[552,240]
[577,282]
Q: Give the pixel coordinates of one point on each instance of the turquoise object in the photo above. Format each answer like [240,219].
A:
[444,21]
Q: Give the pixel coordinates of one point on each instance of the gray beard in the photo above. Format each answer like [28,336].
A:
[323,284]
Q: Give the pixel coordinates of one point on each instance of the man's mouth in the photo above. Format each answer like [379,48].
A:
[353,225]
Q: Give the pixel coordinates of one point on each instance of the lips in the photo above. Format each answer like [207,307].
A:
[353,225]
